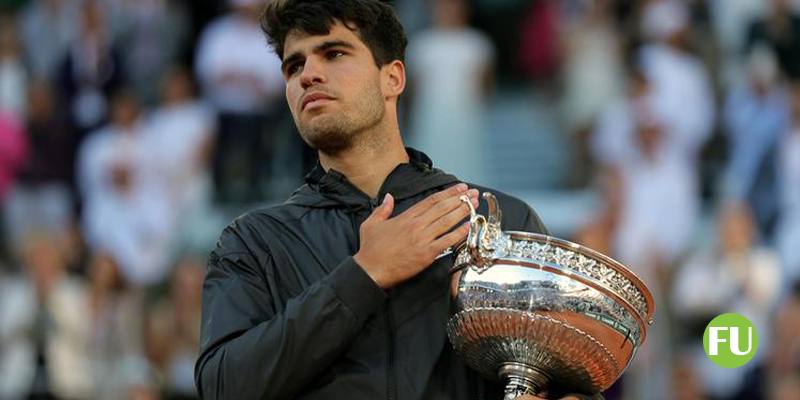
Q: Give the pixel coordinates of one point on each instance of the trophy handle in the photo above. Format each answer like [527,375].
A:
[495,215]
[477,226]
[493,231]
[483,233]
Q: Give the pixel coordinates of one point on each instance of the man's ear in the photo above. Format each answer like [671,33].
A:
[394,78]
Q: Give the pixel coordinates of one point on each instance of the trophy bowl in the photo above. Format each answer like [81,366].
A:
[535,311]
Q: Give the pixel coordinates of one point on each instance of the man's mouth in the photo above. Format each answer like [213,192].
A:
[314,99]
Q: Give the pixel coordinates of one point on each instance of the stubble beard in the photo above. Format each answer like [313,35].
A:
[335,133]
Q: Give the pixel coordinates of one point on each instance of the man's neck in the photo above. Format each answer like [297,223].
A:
[367,165]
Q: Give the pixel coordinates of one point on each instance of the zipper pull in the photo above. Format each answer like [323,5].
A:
[374,203]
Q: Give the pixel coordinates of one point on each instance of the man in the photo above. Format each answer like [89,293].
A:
[341,292]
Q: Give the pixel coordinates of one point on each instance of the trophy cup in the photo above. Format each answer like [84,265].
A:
[534,311]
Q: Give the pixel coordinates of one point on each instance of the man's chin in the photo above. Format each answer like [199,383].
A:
[329,141]
[319,122]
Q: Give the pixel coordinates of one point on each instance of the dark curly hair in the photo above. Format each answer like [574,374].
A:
[373,21]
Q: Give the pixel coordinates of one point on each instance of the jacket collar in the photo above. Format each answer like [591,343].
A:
[331,188]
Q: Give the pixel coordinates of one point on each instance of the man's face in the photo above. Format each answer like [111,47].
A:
[333,87]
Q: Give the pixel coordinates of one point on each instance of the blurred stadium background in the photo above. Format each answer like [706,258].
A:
[665,133]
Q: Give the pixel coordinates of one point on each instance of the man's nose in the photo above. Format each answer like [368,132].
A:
[312,74]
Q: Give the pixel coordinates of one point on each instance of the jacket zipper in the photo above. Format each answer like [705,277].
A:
[391,384]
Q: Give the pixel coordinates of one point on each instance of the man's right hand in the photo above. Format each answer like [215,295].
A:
[396,249]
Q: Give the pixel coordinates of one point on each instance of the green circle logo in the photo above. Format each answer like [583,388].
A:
[730,340]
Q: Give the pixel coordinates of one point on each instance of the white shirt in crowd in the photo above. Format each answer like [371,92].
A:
[134,226]
[682,98]
[238,72]
[177,135]
[660,195]
[448,68]
[660,206]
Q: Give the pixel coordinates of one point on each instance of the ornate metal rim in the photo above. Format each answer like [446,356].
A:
[597,256]
[643,311]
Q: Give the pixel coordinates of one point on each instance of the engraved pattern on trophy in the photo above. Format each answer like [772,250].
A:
[533,310]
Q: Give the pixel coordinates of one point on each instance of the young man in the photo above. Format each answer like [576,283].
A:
[340,292]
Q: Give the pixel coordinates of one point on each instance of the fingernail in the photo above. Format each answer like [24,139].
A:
[462,187]
[386,197]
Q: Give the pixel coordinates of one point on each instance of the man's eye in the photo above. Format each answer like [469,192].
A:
[334,54]
[293,69]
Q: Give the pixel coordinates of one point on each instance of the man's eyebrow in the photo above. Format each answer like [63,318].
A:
[333,43]
[317,49]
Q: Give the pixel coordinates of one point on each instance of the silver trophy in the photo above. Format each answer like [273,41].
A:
[533,311]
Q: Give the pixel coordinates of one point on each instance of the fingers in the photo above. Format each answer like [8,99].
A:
[451,239]
[456,211]
[445,206]
[473,195]
[432,200]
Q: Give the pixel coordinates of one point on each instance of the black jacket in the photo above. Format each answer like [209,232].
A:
[288,314]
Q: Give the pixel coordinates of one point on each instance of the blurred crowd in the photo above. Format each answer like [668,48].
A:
[655,92]
[132,131]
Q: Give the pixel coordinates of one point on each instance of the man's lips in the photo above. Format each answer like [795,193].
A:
[312,97]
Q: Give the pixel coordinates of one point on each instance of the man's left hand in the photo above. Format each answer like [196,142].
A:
[529,397]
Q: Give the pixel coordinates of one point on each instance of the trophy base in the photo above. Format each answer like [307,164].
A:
[522,379]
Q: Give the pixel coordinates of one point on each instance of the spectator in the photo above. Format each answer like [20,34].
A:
[127,212]
[44,328]
[90,72]
[681,91]
[48,29]
[245,85]
[632,140]
[452,67]
[593,70]
[152,36]
[756,116]
[43,198]
[660,204]
[181,132]
[593,74]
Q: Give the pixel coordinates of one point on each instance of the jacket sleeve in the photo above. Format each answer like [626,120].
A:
[252,349]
